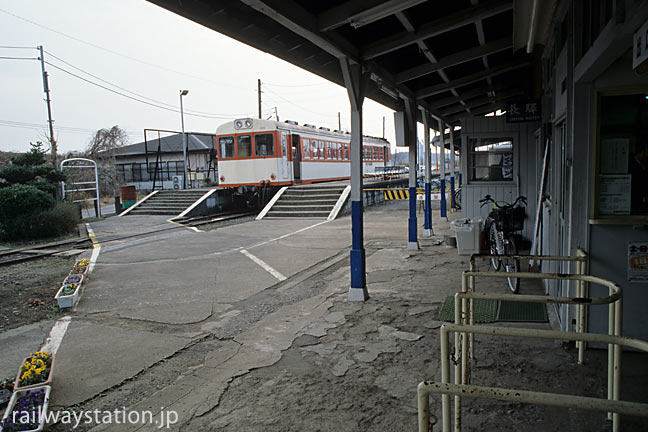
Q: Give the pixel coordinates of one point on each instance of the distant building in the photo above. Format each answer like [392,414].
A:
[165,161]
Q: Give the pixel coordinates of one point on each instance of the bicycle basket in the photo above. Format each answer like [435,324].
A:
[509,219]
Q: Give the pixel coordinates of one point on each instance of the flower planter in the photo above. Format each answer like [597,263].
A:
[74,278]
[32,401]
[67,300]
[81,267]
[21,370]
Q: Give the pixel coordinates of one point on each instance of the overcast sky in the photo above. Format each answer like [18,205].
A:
[151,54]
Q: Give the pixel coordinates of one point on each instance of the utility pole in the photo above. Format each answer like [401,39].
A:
[49,107]
[339,121]
[383,127]
[259,92]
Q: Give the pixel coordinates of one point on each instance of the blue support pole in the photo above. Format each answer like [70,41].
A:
[358,273]
[443,199]
[460,180]
[412,237]
[452,191]
[428,206]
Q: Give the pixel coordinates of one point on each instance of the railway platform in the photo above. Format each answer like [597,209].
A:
[247,327]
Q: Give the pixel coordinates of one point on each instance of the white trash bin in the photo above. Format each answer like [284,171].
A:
[467,231]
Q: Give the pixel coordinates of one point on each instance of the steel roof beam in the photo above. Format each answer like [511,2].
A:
[359,15]
[441,25]
[481,102]
[455,59]
[296,19]
[482,75]
[481,91]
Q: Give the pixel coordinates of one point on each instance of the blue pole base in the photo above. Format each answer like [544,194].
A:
[443,200]
[358,273]
[428,209]
[452,191]
[413,235]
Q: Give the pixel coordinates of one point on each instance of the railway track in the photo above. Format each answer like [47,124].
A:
[16,256]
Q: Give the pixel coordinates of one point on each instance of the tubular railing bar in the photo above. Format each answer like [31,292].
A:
[581,268]
[614,321]
[615,406]
[581,265]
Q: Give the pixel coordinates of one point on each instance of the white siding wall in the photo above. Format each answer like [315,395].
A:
[525,168]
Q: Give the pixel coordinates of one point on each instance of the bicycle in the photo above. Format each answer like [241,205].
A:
[501,226]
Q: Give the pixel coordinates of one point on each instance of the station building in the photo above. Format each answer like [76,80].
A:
[569,75]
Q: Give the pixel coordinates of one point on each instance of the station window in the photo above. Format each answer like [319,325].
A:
[622,177]
[226,145]
[244,146]
[264,145]
[490,159]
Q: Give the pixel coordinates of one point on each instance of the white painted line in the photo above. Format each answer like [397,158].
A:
[125,212]
[272,202]
[288,235]
[264,265]
[192,206]
[96,248]
[53,341]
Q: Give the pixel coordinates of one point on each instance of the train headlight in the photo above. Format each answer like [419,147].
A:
[243,124]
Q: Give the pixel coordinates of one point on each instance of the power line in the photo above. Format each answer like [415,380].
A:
[67,129]
[132,92]
[18,58]
[300,107]
[15,47]
[115,52]
[296,85]
[156,105]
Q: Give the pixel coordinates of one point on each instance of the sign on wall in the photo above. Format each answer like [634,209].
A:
[640,49]
[523,111]
[614,194]
[638,262]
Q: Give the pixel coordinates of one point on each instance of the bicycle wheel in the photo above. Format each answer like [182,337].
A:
[512,265]
[457,199]
[492,247]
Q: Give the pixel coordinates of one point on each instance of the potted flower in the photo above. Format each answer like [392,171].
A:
[26,410]
[73,278]
[35,371]
[81,267]
[68,295]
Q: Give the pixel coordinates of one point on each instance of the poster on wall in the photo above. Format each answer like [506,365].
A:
[614,194]
[638,262]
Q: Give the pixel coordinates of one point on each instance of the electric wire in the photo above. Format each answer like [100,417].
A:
[18,58]
[118,53]
[156,105]
[186,111]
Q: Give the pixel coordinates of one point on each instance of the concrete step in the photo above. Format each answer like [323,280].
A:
[294,196]
[298,214]
[329,202]
[152,212]
[301,208]
[156,207]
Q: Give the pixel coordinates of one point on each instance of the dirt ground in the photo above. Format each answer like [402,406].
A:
[27,290]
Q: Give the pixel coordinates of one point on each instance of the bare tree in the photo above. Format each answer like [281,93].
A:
[102,148]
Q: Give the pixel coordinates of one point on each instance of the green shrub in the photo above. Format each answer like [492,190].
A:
[60,220]
[22,200]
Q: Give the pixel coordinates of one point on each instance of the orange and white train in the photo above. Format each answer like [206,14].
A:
[254,152]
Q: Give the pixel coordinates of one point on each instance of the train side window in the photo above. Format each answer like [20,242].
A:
[320,149]
[226,147]
[306,147]
[346,151]
[244,146]
[264,145]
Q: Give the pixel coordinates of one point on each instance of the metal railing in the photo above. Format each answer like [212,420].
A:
[553,399]
[581,288]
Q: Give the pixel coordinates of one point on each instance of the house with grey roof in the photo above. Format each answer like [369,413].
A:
[157,162]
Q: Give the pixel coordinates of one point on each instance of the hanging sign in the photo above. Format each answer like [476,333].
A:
[638,262]
[523,111]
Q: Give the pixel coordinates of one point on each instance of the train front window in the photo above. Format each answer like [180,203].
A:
[244,146]
[226,147]
[264,145]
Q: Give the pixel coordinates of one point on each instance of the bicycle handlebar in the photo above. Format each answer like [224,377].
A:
[502,204]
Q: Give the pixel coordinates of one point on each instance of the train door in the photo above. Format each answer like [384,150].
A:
[284,156]
[296,154]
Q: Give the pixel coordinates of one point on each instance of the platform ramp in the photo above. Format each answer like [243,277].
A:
[313,201]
